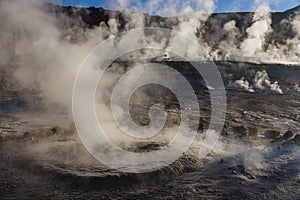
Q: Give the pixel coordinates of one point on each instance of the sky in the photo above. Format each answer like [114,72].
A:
[221,5]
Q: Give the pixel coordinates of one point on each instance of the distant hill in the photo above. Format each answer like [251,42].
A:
[91,17]
[212,33]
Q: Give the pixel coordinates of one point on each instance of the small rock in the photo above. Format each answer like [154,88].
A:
[288,135]
[297,139]
[27,135]
[56,130]
[272,134]
[239,169]
[224,131]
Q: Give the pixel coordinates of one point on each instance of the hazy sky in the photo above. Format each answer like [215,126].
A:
[221,5]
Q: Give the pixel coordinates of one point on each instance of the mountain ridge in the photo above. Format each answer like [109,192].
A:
[295,9]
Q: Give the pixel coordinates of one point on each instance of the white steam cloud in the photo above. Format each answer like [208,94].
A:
[44,58]
[253,44]
[245,85]
[255,47]
[39,51]
[261,82]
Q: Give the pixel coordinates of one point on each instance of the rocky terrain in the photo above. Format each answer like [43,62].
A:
[42,157]
[257,156]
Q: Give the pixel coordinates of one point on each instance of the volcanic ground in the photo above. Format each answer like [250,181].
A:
[256,157]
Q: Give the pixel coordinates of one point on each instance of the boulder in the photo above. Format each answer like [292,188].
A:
[289,134]
[297,139]
[272,134]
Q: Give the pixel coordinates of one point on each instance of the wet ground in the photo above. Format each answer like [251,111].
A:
[41,160]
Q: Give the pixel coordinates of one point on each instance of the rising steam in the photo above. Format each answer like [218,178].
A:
[43,55]
[261,82]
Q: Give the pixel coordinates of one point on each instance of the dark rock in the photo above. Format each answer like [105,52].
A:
[56,130]
[272,134]
[201,126]
[288,135]
[241,170]
[241,131]
[149,147]
[27,135]
[225,131]
[297,139]
[145,147]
